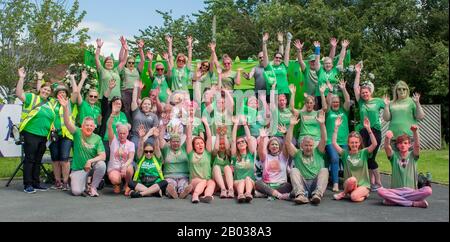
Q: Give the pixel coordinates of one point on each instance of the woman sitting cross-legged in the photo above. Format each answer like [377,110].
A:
[148,179]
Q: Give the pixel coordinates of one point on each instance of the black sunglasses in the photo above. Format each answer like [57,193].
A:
[92,96]
[160,69]
[148,151]
[131,63]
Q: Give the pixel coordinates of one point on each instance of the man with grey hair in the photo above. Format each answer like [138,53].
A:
[309,177]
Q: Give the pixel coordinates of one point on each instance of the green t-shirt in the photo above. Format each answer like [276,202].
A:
[228,82]
[161,82]
[403,115]
[148,168]
[122,118]
[105,76]
[310,80]
[207,80]
[310,166]
[85,149]
[322,75]
[221,160]
[343,131]
[284,117]
[129,78]
[404,176]
[356,165]
[180,78]
[197,127]
[370,109]
[253,120]
[309,125]
[270,77]
[244,168]
[41,123]
[175,162]
[59,119]
[281,72]
[87,110]
[199,165]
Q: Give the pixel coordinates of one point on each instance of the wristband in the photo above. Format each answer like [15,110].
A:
[317,50]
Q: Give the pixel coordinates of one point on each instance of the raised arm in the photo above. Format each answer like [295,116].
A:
[292,90]
[386,110]
[287,52]
[323,131]
[333,45]
[344,45]
[299,45]
[122,55]
[169,40]
[280,42]
[97,54]
[262,144]
[189,47]
[75,89]
[134,104]
[317,54]
[142,133]
[40,76]
[19,87]
[123,61]
[322,97]
[212,47]
[265,53]
[373,140]
[250,142]
[189,136]
[112,84]
[416,146]
[342,86]
[356,87]
[288,140]
[208,134]
[419,111]
[387,144]
[234,134]
[67,120]
[337,124]
[111,134]
[141,54]
[149,66]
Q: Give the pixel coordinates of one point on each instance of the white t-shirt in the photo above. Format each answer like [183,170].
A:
[119,154]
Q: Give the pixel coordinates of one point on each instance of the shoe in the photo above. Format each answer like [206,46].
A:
[248,197]
[66,187]
[241,198]
[93,192]
[127,191]
[374,188]
[259,194]
[300,199]
[195,200]
[29,190]
[57,186]
[223,193]
[101,185]
[420,204]
[335,187]
[284,196]
[206,199]
[171,191]
[388,203]
[40,188]
[230,193]
[187,190]
[135,194]
[315,199]
[116,189]
[339,196]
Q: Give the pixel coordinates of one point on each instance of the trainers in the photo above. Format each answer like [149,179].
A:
[374,188]
[339,196]
[300,199]
[66,187]
[93,192]
[187,190]
[335,187]
[135,194]
[420,204]
[57,186]
[29,190]
[40,188]
[206,199]
[248,197]
[315,199]
[171,191]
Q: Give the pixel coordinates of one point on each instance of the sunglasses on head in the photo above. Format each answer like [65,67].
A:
[93,96]
[148,151]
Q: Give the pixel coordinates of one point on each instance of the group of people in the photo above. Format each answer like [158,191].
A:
[216,140]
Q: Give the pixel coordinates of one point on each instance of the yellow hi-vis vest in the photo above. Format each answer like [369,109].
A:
[35,100]
[30,111]
[158,168]
[74,111]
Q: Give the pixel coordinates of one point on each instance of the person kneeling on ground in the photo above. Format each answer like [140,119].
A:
[404,190]
[88,154]
[309,178]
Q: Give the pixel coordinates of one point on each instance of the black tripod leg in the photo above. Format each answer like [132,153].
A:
[19,167]
[47,174]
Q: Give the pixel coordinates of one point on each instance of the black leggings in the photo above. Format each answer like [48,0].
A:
[372,164]
[34,147]
[162,185]
[262,187]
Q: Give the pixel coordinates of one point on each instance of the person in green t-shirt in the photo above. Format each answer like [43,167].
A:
[107,73]
[89,154]
[200,164]
[180,75]
[309,126]
[204,76]
[369,107]
[309,176]
[243,152]
[88,107]
[36,121]
[403,111]
[222,173]
[159,79]
[148,180]
[356,174]
[337,110]
[404,190]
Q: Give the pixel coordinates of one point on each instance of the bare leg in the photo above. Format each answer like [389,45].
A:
[146,192]
[57,171]
[359,194]
[229,180]
[217,175]
[198,186]
[65,171]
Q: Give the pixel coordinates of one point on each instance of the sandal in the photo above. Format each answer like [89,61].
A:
[127,191]
[116,189]
[241,198]
[248,197]
[230,193]
[223,193]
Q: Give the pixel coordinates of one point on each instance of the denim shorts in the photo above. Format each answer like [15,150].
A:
[60,150]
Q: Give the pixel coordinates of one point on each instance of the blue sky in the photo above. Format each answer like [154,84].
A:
[109,19]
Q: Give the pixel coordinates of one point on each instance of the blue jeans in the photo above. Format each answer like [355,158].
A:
[334,161]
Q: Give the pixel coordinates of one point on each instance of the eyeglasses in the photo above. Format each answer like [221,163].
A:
[401,89]
[131,63]
[205,65]
[148,151]
[92,96]
[278,57]
[160,69]
[181,60]
[227,63]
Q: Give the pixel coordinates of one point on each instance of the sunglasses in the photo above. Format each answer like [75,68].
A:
[131,63]
[227,63]
[160,69]
[148,151]
[181,60]
[401,89]
[205,65]
[92,96]
[278,57]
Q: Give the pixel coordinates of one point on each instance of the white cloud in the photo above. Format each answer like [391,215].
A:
[109,35]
